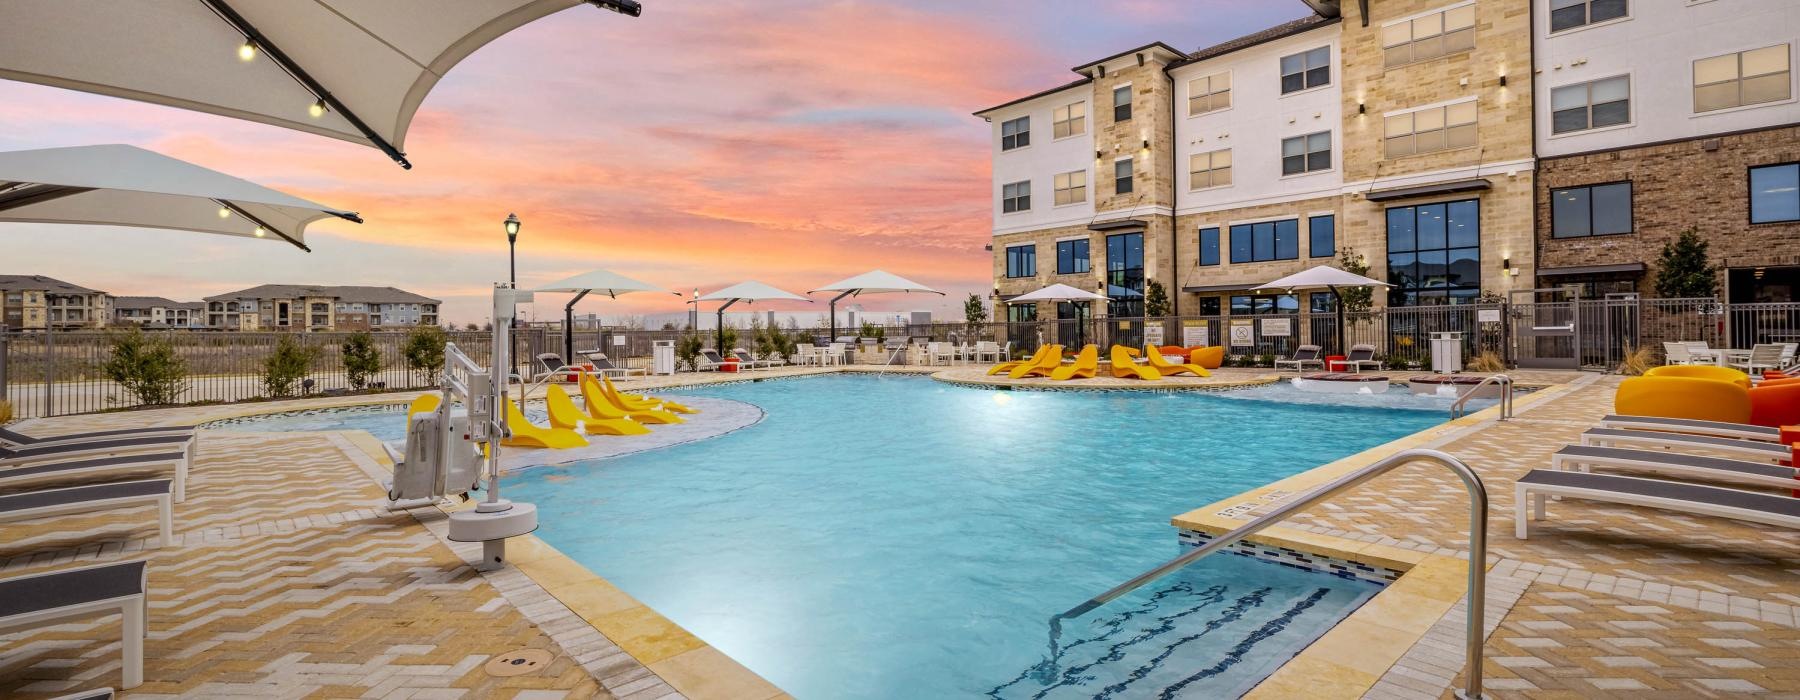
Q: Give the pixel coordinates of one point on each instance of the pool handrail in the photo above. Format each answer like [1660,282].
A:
[1478,510]
[1460,407]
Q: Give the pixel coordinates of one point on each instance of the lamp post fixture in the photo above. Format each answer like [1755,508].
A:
[694,312]
[512,238]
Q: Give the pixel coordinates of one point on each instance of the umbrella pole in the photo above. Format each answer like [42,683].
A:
[569,327]
[1338,300]
[833,312]
[719,332]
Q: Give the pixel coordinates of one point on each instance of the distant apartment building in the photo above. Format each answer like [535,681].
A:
[288,307]
[157,312]
[36,302]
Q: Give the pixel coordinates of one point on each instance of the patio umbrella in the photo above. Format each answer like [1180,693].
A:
[1062,292]
[607,282]
[1325,277]
[871,282]
[119,185]
[751,291]
[354,70]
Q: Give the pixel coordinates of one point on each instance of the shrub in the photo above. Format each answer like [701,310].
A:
[1637,360]
[362,359]
[147,367]
[286,366]
[974,314]
[1487,361]
[6,412]
[1156,299]
[423,351]
[1265,360]
[1359,298]
[687,351]
[1682,270]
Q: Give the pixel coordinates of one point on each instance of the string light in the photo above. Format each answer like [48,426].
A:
[247,52]
[317,109]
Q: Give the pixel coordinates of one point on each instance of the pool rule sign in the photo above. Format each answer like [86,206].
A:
[1153,334]
[1243,333]
[1193,333]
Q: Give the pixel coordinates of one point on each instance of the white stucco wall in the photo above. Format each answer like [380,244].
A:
[1041,161]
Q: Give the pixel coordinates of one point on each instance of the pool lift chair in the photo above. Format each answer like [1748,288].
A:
[447,454]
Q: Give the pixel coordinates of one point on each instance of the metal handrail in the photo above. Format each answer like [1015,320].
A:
[1478,509]
[1460,408]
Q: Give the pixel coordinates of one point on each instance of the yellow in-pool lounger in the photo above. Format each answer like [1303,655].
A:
[1087,364]
[1010,366]
[605,405]
[525,434]
[1124,367]
[1045,363]
[642,402]
[564,414]
[1163,365]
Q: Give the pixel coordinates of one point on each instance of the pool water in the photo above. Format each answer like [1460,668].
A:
[896,537]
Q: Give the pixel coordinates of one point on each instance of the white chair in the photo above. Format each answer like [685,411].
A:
[1787,354]
[805,353]
[1677,354]
[1762,356]
[987,350]
[834,354]
[933,351]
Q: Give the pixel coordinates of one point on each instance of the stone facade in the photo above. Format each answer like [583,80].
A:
[1154,176]
[1245,275]
[1159,261]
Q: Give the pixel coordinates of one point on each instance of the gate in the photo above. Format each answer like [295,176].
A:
[1545,325]
[1609,330]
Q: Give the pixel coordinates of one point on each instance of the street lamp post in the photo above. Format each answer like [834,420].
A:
[694,311]
[512,277]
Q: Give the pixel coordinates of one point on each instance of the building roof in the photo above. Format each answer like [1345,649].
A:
[1279,31]
[1034,96]
[132,303]
[1151,47]
[26,283]
[366,295]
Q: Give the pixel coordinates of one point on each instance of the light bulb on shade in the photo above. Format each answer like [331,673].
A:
[259,232]
[317,109]
[247,52]
[224,213]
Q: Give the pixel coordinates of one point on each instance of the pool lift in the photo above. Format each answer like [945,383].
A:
[447,454]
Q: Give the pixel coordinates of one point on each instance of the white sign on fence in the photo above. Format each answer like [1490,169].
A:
[1193,333]
[619,341]
[1153,334]
[1278,327]
[1487,315]
[1243,333]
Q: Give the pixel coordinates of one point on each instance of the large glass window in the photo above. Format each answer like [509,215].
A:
[1122,103]
[1305,154]
[1322,231]
[1590,105]
[1305,70]
[1775,193]
[1068,120]
[1021,313]
[1590,210]
[1021,260]
[1211,169]
[1209,245]
[1744,78]
[1125,275]
[1428,37]
[1122,183]
[1265,241]
[1071,256]
[1209,94]
[1258,305]
[1071,188]
[1434,253]
[1015,197]
[1015,133]
[1569,14]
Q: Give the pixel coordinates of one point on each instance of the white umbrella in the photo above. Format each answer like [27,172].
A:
[871,282]
[751,291]
[119,185]
[607,282]
[1058,292]
[354,70]
[1325,277]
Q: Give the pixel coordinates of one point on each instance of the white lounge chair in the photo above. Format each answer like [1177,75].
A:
[709,359]
[63,472]
[605,366]
[1762,356]
[62,452]
[1693,426]
[31,505]
[1677,464]
[13,437]
[1612,437]
[1306,355]
[1361,355]
[55,597]
[1677,354]
[1688,499]
[744,358]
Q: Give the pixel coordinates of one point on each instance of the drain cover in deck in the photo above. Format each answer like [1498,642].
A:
[518,662]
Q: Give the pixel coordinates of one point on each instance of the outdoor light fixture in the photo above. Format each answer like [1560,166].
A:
[224,213]
[317,109]
[512,228]
[628,8]
[259,232]
[1361,108]
[512,237]
[1146,144]
[1502,80]
[247,52]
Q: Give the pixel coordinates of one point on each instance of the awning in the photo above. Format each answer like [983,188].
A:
[1432,189]
[1636,267]
[1117,224]
[1241,287]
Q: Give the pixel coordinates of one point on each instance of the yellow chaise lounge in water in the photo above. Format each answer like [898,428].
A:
[1126,367]
[642,402]
[605,405]
[1087,363]
[564,414]
[1041,366]
[1010,366]
[525,434]
[1163,365]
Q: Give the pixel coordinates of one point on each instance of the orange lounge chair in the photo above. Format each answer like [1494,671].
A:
[1087,364]
[1010,366]
[1163,365]
[1046,363]
[1124,367]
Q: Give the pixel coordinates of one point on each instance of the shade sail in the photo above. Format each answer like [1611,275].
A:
[370,63]
[606,282]
[1058,292]
[119,185]
[1322,277]
[750,291]
[876,282]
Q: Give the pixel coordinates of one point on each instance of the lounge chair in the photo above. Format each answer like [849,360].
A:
[55,597]
[709,359]
[1162,364]
[1611,437]
[1303,356]
[1762,356]
[744,358]
[1693,426]
[642,401]
[551,364]
[1675,464]
[1009,366]
[528,434]
[1124,366]
[1046,362]
[1688,499]
[605,366]
[606,405]
[1086,365]
[1361,355]
[565,416]
[13,437]
[46,451]
[71,500]
[80,470]
[1677,354]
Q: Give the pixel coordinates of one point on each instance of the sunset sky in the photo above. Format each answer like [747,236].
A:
[794,142]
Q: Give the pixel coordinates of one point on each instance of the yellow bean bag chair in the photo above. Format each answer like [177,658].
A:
[1723,374]
[1207,357]
[1683,397]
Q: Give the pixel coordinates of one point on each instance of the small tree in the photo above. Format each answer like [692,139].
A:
[974,313]
[1360,298]
[423,351]
[147,367]
[768,341]
[1156,299]
[362,359]
[287,365]
[687,350]
[1682,271]
[728,338]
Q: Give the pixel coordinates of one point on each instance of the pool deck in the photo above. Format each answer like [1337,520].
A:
[288,578]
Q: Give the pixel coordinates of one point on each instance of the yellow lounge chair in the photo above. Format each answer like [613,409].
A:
[604,405]
[564,414]
[643,402]
[1124,367]
[1087,364]
[1010,366]
[1046,363]
[525,434]
[424,404]
[1161,364]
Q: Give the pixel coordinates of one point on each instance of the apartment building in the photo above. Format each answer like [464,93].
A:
[158,312]
[36,302]
[308,308]
[1654,117]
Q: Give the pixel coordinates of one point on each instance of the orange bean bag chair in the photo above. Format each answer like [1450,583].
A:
[1776,403]
[1723,374]
[1207,357]
[1683,397]
[1173,351]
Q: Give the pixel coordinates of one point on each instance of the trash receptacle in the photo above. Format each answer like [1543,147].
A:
[662,357]
[1446,352]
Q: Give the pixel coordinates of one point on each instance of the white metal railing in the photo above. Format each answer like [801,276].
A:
[1461,407]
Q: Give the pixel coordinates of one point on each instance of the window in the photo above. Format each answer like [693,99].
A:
[1068,120]
[1305,154]
[1015,197]
[1322,232]
[1021,260]
[1071,188]
[1021,313]
[1265,304]
[1306,70]
[1015,133]
[1262,242]
[1209,306]
[1590,210]
[1209,170]
[1122,103]
[1071,257]
[1590,105]
[1775,193]
[1569,14]
[1209,94]
[1745,78]
[1209,245]
[1122,176]
[1428,37]
[1125,275]
[1429,130]
[1434,253]
[1322,302]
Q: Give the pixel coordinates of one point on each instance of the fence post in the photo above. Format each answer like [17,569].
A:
[49,369]
[4,337]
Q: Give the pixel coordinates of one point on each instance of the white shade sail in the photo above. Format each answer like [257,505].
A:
[751,291]
[1058,292]
[119,185]
[606,282]
[1322,277]
[367,63]
[876,282]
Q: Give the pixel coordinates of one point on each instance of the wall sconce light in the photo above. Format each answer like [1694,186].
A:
[1361,108]
[1098,154]
[1502,80]
[1146,144]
